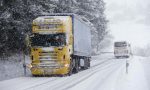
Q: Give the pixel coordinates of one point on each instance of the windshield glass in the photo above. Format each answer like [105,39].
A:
[48,40]
[120,44]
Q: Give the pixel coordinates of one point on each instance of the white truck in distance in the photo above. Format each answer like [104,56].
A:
[122,49]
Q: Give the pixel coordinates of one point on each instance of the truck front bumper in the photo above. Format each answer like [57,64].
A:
[49,70]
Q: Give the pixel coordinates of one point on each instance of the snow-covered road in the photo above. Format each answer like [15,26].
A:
[106,73]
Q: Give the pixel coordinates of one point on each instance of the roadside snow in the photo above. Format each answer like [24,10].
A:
[146,65]
[135,79]
[12,67]
[106,73]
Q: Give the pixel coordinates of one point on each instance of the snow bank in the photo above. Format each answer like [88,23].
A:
[11,67]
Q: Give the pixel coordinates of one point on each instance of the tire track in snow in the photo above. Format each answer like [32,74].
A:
[23,82]
[62,82]
[38,84]
[107,60]
[110,80]
[32,82]
[108,74]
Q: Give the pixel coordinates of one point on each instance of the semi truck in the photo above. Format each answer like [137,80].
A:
[60,44]
[122,49]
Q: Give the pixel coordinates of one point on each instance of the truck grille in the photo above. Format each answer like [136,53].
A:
[48,59]
[48,56]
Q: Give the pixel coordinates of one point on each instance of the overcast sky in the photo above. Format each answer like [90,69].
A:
[129,20]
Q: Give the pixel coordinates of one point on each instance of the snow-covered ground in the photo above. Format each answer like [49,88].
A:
[105,73]
[146,65]
[12,67]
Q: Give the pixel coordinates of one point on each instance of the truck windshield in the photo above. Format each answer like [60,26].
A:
[48,40]
[120,44]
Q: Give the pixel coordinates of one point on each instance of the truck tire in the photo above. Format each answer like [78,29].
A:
[70,73]
[70,68]
[117,57]
[86,64]
[89,63]
[127,56]
[76,66]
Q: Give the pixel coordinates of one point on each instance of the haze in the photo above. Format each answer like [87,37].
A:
[129,20]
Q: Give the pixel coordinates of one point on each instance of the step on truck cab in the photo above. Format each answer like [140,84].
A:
[60,44]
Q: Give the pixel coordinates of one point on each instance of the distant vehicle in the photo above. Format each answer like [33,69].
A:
[60,44]
[122,49]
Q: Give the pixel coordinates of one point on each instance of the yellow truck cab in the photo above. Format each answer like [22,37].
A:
[60,45]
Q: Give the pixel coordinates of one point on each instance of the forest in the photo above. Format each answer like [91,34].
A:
[16,20]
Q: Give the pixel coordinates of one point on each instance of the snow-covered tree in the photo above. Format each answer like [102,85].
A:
[92,10]
[16,17]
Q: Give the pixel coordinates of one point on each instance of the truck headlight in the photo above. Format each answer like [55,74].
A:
[29,66]
[66,65]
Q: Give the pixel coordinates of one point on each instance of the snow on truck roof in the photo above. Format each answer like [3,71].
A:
[62,17]
[43,18]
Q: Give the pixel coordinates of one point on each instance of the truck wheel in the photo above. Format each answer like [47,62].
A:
[35,75]
[89,63]
[70,72]
[127,56]
[86,64]
[117,57]
[70,68]
[76,66]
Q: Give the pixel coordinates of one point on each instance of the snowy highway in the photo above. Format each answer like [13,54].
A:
[105,73]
